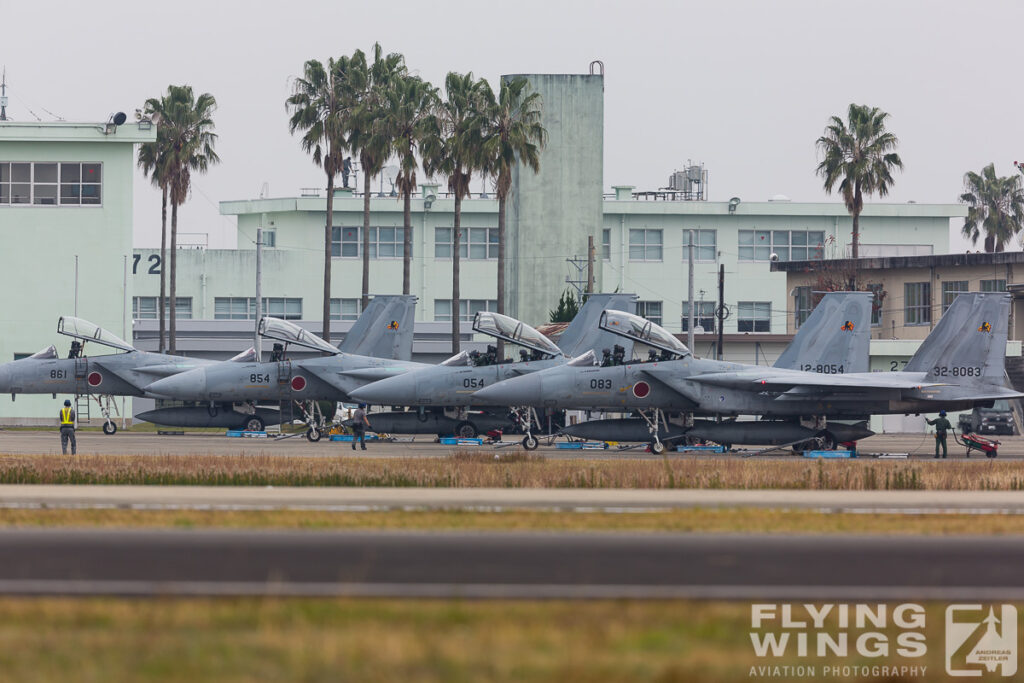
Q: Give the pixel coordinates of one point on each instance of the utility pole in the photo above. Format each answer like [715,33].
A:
[76,285]
[689,321]
[259,292]
[590,264]
[721,310]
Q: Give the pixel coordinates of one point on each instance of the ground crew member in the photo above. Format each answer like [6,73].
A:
[360,423]
[67,429]
[942,425]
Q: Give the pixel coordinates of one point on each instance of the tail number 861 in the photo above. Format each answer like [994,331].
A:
[956,371]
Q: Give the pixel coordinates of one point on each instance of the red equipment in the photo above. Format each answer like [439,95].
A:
[974,442]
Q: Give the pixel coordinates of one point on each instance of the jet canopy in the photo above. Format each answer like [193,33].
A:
[642,331]
[290,333]
[585,359]
[512,330]
[247,356]
[87,331]
[461,358]
[49,353]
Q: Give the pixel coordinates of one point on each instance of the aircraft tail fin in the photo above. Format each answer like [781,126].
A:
[384,330]
[834,338]
[968,345]
[584,334]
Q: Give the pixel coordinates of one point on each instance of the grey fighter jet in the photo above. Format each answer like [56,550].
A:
[126,372]
[332,376]
[960,365]
[443,395]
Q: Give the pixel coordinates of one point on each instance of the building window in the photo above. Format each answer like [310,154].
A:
[50,184]
[468,308]
[993,286]
[754,316]
[789,245]
[346,309]
[476,243]
[146,307]
[951,289]
[244,308]
[345,242]
[385,243]
[917,302]
[606,244]
[876,305]
[705,245]
[703,316]
[802,305]
[645,245]
[270,239]
[650,310]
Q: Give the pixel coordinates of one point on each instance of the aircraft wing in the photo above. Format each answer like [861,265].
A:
[672,380]
[783,380]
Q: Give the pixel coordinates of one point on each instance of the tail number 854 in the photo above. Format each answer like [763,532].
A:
[956,371]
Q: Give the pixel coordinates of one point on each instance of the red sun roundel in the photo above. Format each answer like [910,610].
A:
[298,383]
[95,379]
[641,389]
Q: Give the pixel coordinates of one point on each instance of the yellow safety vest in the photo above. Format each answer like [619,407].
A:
[65,417]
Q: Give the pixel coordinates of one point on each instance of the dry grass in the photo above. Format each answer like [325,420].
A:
[690,520]
[233,640]
[515,471]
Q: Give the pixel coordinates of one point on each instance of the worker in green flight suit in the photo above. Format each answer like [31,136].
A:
[942,426]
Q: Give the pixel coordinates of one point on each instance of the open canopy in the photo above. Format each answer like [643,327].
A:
[643,331]
[290,333]
[512,330]
[87,331]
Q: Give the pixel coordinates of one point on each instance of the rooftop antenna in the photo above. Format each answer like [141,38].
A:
[3,96]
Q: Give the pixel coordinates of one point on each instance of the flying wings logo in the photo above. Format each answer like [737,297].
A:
[985,327]
[978,640]
[393,325]
[848,326]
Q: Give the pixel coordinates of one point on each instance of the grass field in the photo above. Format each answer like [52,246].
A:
[513,470]
[691,520]
[229,640]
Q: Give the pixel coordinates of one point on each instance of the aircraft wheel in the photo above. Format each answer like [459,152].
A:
[802,446]
[109,428]
[657,447]
[252,424]
[827,440]
[530,442]
[313,434]
[465,430]
[994,454]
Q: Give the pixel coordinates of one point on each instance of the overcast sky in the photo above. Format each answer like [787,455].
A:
[745,87]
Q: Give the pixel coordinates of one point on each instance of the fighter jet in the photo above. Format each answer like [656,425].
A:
[385,328]
[443,395]
[124,373]
[960,365]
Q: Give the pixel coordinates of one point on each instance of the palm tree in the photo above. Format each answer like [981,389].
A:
[153,162]
[366,135]
[452,148]
[513,134]
[321,104]
[858,154]
[995,205]
[187,123]
[410,108]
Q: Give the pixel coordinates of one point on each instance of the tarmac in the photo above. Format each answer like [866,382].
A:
[25,442]
[509,565]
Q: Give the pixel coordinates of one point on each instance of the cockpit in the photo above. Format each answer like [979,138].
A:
[661,344]
[535,345]
[83,331]
[290,333]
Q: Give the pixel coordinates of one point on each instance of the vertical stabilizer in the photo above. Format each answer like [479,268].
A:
[835,337]
[969,343]
[583,333]
[384,330]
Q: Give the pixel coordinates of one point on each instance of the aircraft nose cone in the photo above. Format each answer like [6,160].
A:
[5,379]
[187,385]
[390,391]
[518,391]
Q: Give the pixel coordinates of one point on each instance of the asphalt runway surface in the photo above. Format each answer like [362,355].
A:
[19,442]
[509,565]
[357,499]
